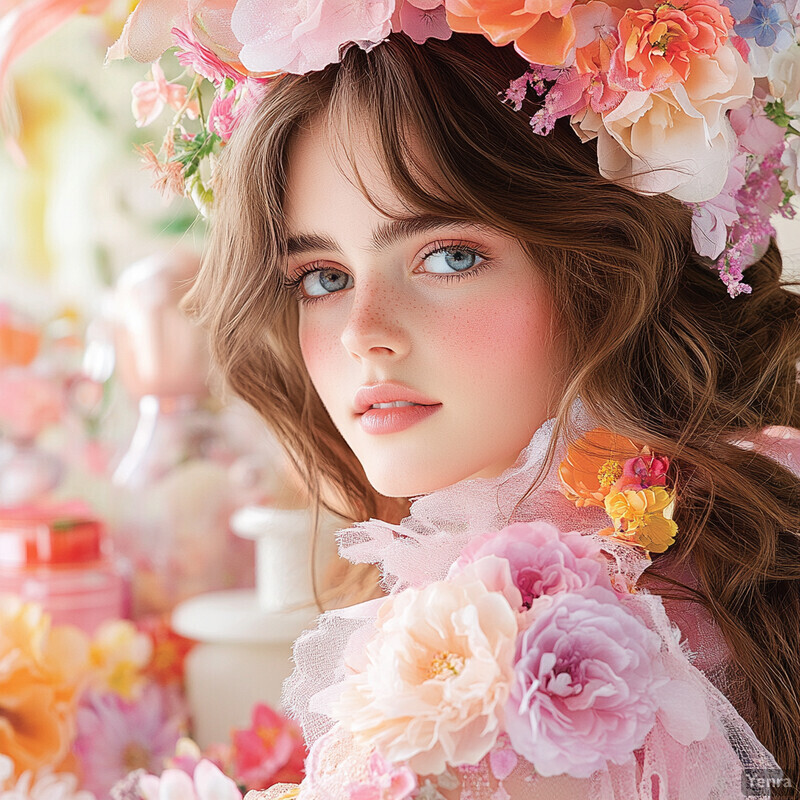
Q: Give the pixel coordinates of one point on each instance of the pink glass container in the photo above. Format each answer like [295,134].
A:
[58,557]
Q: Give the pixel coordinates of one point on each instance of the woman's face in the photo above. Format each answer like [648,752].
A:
[453,314]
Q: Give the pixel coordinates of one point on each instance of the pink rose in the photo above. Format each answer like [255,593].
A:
[306,35]
[543,562]
[587,683]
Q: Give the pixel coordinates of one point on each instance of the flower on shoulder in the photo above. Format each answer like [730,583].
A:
[385,782]
[643,517]
[536,559]
[588,685]
[431,684]
[593,464]
[43,785]
[626,479]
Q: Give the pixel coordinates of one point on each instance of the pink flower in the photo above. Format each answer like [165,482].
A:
[116,736]
[150,98]
[307,35]
[385,782]
[28,402]
[643,472]
[756,132]
[543,562]
[587,684]
[174,784]
[270,751]
[205,62]
[221,119]
[421,20]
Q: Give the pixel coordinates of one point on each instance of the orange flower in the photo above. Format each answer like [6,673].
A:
[542,30]
[593,464]
[657,44]
[41,673]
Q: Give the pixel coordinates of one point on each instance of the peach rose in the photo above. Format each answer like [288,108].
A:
[434,677]
[656,44]
[678,141]
[543,31]
[41,673]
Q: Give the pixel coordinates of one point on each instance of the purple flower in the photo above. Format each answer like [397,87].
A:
[740,9]
[769,25]
[587,682]
[116,736]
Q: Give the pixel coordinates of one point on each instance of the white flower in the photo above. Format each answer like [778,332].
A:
[435,676]
[46,785]
[677,141]
[784,78]
[791,162]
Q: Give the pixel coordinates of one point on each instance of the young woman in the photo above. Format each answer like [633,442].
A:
[386,230]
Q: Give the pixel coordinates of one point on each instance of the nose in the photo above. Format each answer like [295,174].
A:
[375,323]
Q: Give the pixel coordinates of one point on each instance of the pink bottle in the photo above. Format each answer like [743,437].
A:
[58,556]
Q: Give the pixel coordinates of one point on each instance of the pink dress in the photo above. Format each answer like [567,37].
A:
[704,750]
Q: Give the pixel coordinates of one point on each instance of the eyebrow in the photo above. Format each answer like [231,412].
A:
[387,234]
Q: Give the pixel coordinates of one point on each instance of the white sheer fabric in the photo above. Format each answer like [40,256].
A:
[422,548]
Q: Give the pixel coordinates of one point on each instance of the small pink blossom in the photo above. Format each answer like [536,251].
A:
[643,472]
[385,782]
[543,562]
[150,98]
[587,685]
[270,751]
[221,119]
[306,37]
[191,53]
[421,20]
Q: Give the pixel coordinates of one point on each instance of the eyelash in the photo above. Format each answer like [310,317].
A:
[294,283]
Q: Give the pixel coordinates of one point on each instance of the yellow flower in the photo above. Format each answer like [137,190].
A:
[41,673]
[643,517]
[118,655]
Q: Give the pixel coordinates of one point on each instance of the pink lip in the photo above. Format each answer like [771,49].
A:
[394,420]
[388,392]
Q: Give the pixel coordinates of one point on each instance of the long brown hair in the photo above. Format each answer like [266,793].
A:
[659,352]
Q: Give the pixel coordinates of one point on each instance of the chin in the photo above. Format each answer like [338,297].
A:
[405,482]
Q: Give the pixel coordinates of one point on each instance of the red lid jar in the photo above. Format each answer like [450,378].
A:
[58,556]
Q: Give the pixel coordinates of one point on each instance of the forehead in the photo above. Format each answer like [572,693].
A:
[333,170]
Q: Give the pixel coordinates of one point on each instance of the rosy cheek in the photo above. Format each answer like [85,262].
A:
[496,332]
[317,352]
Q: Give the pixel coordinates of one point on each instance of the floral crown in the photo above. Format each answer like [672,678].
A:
[698,99]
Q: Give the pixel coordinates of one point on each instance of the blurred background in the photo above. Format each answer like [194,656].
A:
[140,508]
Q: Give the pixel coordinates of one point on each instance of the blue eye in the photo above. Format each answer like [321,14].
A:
[329,281]
[455,257]
[316,283]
